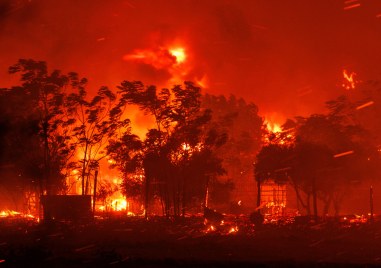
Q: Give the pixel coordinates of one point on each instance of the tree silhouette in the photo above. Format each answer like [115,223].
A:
[43,97]
[243,130]
[98,121]
[172,151]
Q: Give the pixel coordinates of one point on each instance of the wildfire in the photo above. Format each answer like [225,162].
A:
[15,214]
[119,204]
[349,80]
[273,127]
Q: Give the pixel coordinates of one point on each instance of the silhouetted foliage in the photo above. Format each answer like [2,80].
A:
[178,159]
[242,128]
[40,105]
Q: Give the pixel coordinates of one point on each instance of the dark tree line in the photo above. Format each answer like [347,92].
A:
[52,126]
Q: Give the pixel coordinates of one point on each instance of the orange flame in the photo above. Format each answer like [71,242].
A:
[11,213]
[273,127]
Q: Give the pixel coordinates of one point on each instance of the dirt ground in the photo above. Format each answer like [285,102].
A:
[159,242]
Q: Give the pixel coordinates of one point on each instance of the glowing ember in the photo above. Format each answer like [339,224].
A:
[233,229]
[211,228]
[186,147]
[349,80]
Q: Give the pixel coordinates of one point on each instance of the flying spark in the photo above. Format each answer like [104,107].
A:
[369,103]
[352,6]
[343,154]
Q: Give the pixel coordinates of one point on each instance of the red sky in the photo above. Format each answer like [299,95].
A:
[285,56]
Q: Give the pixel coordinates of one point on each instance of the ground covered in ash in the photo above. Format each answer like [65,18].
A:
[188,242]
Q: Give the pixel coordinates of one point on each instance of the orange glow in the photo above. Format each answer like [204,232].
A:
[179,54]
[159,58]
[11,213]
[272,126]
[119,204]
[272,122]
[233,230]
[211,228]
[185,146]
[172,58]
[203,82]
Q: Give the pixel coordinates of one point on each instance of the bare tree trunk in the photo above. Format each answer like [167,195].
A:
[308,204]
[84,169]
[327,204]
[95,189]
[314,196]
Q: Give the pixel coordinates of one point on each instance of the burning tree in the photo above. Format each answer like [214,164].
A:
[329,154]
[125,153]
[170,150]
[98,120]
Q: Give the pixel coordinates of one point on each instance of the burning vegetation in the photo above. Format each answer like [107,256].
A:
[165,163]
